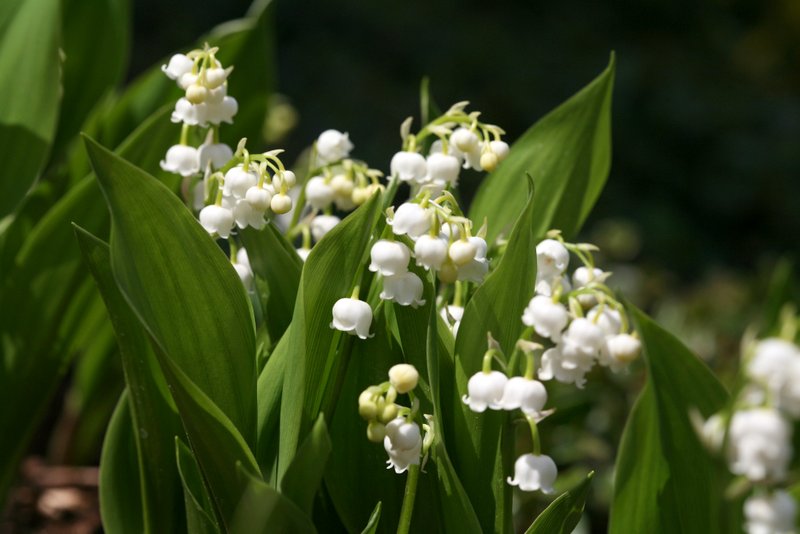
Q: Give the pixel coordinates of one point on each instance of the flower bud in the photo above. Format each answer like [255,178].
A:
[462,251]
[318,193]
[341,185]
[215,77]
[403,377]
[388,412]
[430,251]
[196,93]
[500,149]
[281,203]
[464,140]
[489,161]
[448,272]
[258,198]
[376,431]
[288,178]
[322,224]
[624,348]
[367,408]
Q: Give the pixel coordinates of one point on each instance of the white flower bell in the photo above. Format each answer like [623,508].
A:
[218,154]
[409,167]
[281,203]
[442,168]
[552,258]
[555,365]
[534,472]
[404,289]
[465,140]
[473,271]
[238,181]
[485,390]
[322,224]
[621,350]
[319,194]
[352,316]
[760,444]
[411,219]
[389,257]
[526,394]
[181,159]
[245,215]
[430,251]
[462,251]
[776,365]
[403,444]
[548,318]
[179,64]
[217,220]
[217,113]
[606,318]
[500,149]
[243,268]
[403,377]
[773,513]
[452,315]
[187,113]
[333,145]
[259,198]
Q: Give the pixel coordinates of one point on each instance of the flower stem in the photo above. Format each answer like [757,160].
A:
[537,446]
[410,494]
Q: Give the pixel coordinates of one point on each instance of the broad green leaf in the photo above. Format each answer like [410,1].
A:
[275,260]
[181,286]
[313,359]
[29,67]
[374,519]
[665,481]
[121,504]
[564,513]
[474,440]
[216,443]
[95,44]
[47,274]
[568,154]
[264,510]
[199,510]
[304,475]
[152,414]
[269,390]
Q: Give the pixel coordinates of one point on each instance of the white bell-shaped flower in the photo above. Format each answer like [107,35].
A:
[352,316]
[534,472]
[546,286]
[555,365]
[217,96]
[245,275]
[217,220]
[776,365]
[452,315]
[245,215]
[759,443]
[409,167]
[442,168]
[181,159]
[218,154]
[574,355]
[499,149]
[333,145]
[178,65]
[606,318]
[528,395]
[465,140]
[319,194]
[462,251]
[430,251]
[216,76]
[404,289]
[473,271]
[389,257]
[620,350]
[585,335]
[485,390]
[403,444]
[259,198]
[770,513]
[552,258]
[583,276]
[186,80]
[281,203]
[187,113]
[322,224]
[411,219]
[548,318]
[221,112]
[238,181]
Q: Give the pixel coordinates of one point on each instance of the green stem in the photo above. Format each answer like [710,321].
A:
[537,446]
[409,496]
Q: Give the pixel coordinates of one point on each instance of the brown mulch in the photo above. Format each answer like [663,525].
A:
[52,500]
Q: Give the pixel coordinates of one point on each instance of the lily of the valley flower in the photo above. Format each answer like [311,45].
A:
[409,167]
[452,316]
[534,472]
[442,168]
[352,316]
[776,365]
[403,444]
[548,318]
[218,154]
[238,181]
[243,269]
[760,444]
[773,513]
[526,394]
[403,377]
[333,145]
[217,220]
[411,219]
[485,390]
[322,224]
[404,288]
[319,194]
[389,258]
[552,259]
[179,64]
[430,251]
[181,159]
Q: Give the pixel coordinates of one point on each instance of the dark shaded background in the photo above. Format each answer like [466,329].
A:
[706,119]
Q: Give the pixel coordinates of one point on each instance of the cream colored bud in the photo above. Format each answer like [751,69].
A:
[489,161]
[366,406]
[281,203]
[196,94]
[360,195]
[448,273]
[376,431]
[388,413]
[403,377]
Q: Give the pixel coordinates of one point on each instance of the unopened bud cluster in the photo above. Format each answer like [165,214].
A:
[395,425]
[578,315]
[756,432]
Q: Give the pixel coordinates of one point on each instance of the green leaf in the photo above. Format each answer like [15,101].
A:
[665,481]
[474,440]
[29,66]
[47,274]
[274,259]
[374,518]
[304,475]
[568,154]
[120,499]
[264,510]
[149,400]
[199,510]
[313,358]
[269,390]
[181,286]
[564,513]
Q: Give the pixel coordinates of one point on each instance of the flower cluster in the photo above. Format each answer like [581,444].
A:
[462,142]
[206,104]
[578,315]
[496,391]
[393,424]
[755,434]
